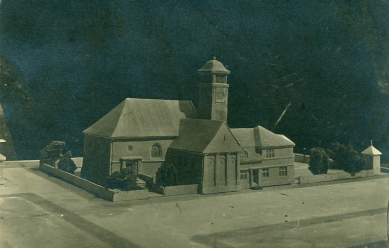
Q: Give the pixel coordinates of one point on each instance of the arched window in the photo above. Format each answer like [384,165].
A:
[156,151]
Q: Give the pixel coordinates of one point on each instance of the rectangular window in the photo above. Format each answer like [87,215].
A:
[243,175]
[265,172]
[270,153]
[283,171]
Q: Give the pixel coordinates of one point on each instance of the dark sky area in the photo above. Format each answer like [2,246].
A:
[65,64]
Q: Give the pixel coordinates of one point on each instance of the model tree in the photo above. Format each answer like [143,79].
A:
[319,161]
[345,158]
[66,163]
[184,172]
[55,153]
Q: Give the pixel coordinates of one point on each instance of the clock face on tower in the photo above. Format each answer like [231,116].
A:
[220,95]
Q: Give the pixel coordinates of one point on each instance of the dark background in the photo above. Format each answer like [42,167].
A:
[65,64]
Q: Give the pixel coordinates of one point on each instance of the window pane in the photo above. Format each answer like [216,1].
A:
[283,171]
[270,153]
[243,175]
[265,172]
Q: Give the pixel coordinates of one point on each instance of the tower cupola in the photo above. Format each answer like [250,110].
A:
[213,95]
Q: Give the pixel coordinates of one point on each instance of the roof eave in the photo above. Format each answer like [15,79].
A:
[132,137]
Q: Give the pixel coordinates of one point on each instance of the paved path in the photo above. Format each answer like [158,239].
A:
[37,210]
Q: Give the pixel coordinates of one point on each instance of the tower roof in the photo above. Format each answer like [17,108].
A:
[371,150]
[213,67]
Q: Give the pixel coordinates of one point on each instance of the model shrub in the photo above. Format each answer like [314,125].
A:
[167,175]
[53,151]
[319,161]
[66,163]
[189,171]
[125,180]
[345,158]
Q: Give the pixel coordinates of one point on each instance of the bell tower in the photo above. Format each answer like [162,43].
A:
[213,95]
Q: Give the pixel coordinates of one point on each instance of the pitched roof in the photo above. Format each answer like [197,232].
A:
[139,118]
[245,136]
[371,150]
[205,136]
[260,137]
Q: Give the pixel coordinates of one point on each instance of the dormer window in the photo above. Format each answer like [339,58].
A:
[245,154]
[270,153]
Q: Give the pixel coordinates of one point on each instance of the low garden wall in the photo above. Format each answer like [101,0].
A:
[21,163]
[130,195]
[148,179]
[97,190]
[170,190]
[384,170]
[178,190]
[334,176]
[300,158]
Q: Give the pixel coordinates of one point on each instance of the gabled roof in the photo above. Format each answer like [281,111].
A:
[260,137]
[371,150]
[140,118]
[205,136]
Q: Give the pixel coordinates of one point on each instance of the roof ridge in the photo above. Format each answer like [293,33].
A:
[125,101]
[155,99]
[229,129]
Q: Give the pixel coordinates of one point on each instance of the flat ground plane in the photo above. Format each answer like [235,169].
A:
[37,210]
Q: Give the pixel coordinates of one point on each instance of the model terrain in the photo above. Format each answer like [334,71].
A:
[165,144]
[154,144]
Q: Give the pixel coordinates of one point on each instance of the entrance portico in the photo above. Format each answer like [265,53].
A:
[132,163]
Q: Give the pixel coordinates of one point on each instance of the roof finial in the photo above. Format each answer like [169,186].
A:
[371,142]
[214,57]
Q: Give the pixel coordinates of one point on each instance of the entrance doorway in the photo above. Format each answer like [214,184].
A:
[255,178]
[130,164]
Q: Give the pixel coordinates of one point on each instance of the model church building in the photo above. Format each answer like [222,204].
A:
[140,133]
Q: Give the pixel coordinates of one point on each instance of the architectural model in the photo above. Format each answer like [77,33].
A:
[139,133]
